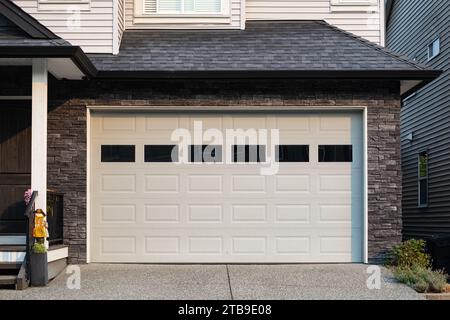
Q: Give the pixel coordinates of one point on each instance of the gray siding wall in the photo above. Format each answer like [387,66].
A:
[412,27]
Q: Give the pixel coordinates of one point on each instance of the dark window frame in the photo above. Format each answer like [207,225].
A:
[147,146]
[280,159]
[421,178]
[204,146]
[234,153]
[102,155]
[335,160]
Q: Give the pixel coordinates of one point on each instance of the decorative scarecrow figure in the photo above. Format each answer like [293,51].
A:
[40,230]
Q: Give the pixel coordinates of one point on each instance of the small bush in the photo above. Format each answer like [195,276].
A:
[39,248]
[410,253]
[422,279]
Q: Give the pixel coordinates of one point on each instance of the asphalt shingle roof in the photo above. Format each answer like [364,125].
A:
[27,42]
[262,46]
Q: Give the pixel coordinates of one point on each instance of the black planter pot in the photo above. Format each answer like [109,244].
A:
[39,269]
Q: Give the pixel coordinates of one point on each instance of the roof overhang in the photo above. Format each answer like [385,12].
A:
[411,80]
[64,62]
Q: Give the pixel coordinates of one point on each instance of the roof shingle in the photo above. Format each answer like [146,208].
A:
[262,46]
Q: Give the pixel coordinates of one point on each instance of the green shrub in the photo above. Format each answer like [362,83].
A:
[422,279]
[410,253]
[39,248]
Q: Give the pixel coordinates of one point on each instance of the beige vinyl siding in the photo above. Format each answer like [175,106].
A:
[121,18]
[119,24]
[363,21]
[95,34]
[133,21]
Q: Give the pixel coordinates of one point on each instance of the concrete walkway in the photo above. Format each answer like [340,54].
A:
[196,282]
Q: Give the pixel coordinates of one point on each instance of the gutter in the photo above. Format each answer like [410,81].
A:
[288,74]
[424,76]
[75,53]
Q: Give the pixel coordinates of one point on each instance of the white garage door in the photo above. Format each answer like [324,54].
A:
[145,209]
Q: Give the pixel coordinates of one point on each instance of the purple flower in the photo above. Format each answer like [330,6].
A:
[27,196]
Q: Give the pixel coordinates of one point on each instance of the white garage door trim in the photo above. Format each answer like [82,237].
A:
[236,109]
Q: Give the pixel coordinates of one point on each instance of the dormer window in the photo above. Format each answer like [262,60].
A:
[183,6]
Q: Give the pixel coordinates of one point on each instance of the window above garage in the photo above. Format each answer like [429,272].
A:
[183,7]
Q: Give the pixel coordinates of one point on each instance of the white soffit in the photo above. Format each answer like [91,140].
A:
[64,68]
[407,85]
[60,68]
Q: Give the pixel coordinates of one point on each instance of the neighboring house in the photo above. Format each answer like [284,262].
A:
[123,75]
[420,30]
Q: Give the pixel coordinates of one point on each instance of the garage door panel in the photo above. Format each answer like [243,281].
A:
[166,213]
[162,183]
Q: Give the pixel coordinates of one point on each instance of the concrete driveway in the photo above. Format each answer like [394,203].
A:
[196,282]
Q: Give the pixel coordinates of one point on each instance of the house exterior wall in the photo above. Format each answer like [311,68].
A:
[97,25]
[361,20]
[94,32]
[67,136]
[413,25]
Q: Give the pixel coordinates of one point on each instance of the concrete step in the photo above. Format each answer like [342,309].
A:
[13,239]
[11,248]
[6,280]
[10,266]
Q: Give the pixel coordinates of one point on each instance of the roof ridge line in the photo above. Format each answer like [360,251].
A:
[375,46]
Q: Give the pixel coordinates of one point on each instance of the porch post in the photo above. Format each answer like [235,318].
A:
[39,132]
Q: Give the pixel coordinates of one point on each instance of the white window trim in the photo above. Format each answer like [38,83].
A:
[64,5]
[438,39]
[65,1]
[354,3]
[140,11]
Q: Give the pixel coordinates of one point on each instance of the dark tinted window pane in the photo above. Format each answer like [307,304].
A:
[118,153]
[423,164]
[423,192]
[335,153]
[292,153]
[249,153]
[205,153]
[160,153]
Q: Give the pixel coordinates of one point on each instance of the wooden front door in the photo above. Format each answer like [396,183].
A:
[15,163]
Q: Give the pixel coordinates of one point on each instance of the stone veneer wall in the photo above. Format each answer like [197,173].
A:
[67,135]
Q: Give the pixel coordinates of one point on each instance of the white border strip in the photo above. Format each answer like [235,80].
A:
[366,187]
[88,185]
[127,109]
[57,254]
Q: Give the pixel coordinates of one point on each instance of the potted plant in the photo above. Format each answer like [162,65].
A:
[38,256]
[38,265]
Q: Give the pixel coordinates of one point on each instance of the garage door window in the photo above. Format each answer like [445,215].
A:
[118,153]
[335,153]
[292,153]
[160,153]
[249,153]
[205,153]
